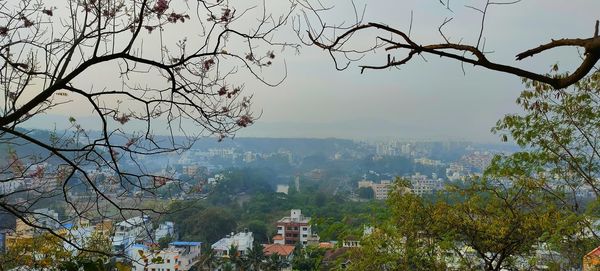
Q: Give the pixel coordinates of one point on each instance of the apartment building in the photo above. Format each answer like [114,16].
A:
[294,229]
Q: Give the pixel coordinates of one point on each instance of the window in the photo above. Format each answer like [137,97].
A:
[168,261]
[304,235]
[304,228]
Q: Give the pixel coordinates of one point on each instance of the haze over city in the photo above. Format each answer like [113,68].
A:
[430,99]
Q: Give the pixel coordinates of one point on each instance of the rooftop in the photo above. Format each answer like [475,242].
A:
[281,250]
[134,221]
[295,216]
[184,243]
[594,253]
[243,241]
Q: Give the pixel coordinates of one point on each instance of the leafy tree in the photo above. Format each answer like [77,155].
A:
[209,259]
[307,258]
[275,262]
[559,131]
[255,257]
[164,241]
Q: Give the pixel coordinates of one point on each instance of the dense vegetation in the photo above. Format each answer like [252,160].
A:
[246,199]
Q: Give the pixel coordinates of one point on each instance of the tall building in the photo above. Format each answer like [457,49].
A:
[294,228]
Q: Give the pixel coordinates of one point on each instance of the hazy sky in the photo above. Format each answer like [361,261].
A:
[429,100]
[433,99]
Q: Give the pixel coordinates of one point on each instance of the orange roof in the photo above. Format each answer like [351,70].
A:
[594,253]
[278,237]
[282,250]
[325,245]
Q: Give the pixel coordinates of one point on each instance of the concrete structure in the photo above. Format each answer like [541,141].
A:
[380,190]
[286,252]
[294,228]
[421,184]
[242,240]
[165,229]
[283,188]
[131,231]
[9,186]
[179,256]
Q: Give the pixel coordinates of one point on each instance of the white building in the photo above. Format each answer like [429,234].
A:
[9,186]
[421,184]
[242,240]
[283,188]
[165,229]
[179,256]
[293,229]
[130,231]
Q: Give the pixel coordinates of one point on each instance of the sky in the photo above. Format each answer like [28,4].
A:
[432,99]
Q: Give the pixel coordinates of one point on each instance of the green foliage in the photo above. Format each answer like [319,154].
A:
[164,241]
[524,201]
[308,258]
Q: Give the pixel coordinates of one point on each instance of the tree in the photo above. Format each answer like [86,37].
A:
[559,132]
[394,39]
[255,257]
[159,89]
[485,225]
[209,259]
[542,188]
[533,199]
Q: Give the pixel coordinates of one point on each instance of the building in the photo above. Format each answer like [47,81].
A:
[165,229]
[294,228]
[591,261]
[421,184]
[380,190]
[10,186]
[286,252]
[179,256]
[131,231]
[242,241]
[283,188]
